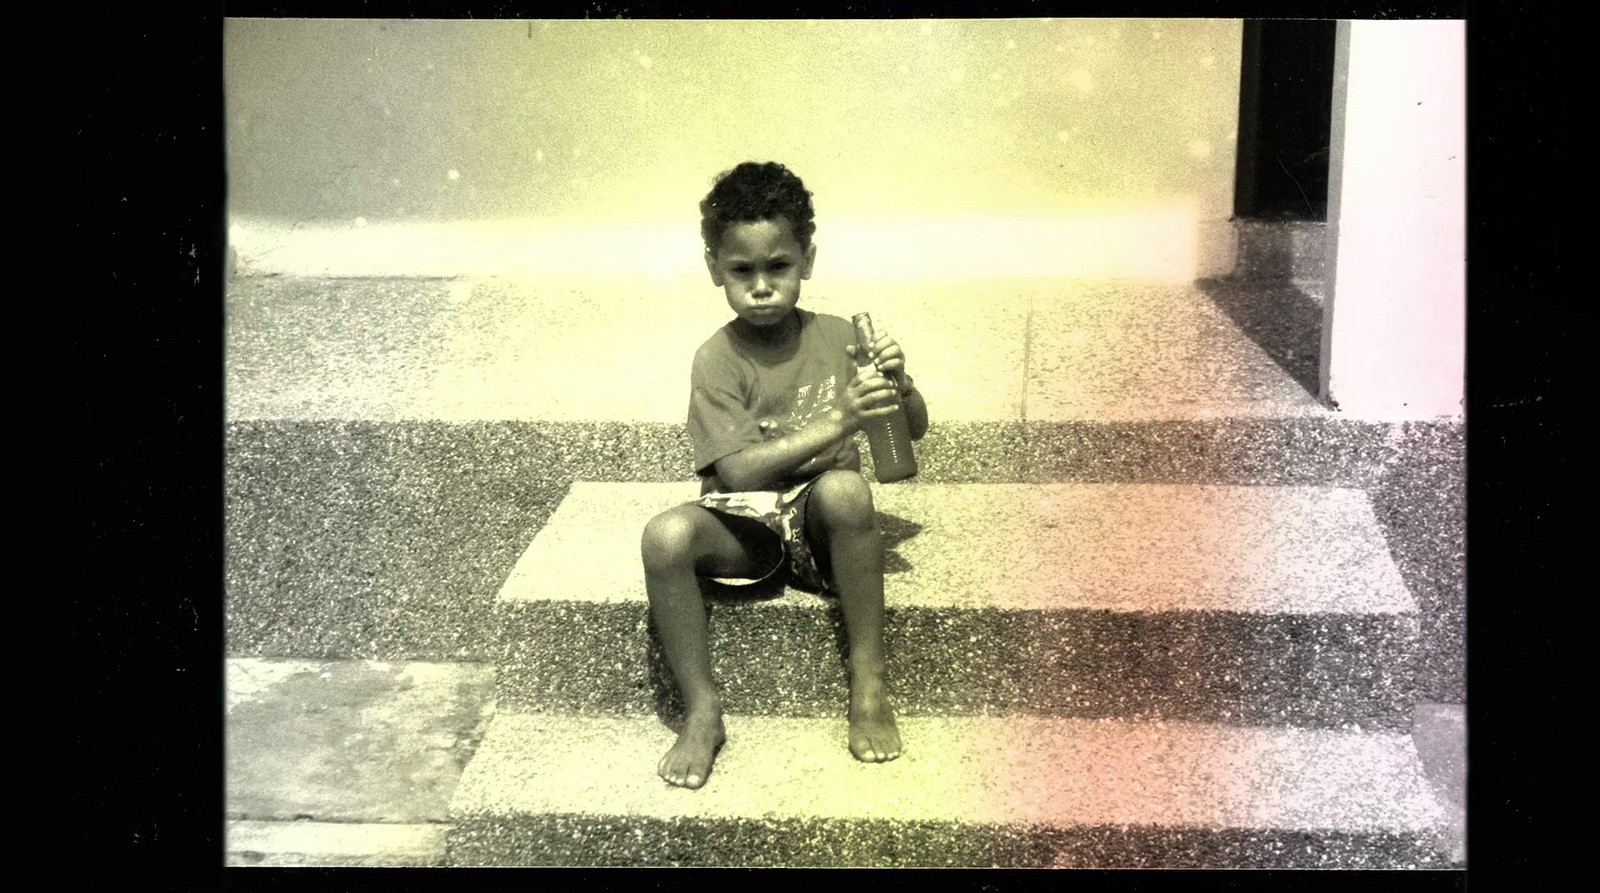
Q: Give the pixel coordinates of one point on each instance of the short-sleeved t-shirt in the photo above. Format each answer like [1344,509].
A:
[743,392]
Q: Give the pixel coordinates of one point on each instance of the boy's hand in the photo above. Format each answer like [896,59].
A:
[886,353]
[865,398]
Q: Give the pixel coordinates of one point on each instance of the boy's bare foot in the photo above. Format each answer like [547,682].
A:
[688,763]
[874,736]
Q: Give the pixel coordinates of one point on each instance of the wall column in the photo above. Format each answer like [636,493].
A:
[1394,326]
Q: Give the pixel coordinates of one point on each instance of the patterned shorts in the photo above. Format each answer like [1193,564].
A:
[784,513]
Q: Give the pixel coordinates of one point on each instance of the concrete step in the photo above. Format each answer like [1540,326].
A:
[524,348]
[1246,605]
[392,539]
[968,791]
[1295,250]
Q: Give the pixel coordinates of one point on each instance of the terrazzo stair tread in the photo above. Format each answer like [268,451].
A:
[967,791]
[506,348]
[1238,604]
[1120,547]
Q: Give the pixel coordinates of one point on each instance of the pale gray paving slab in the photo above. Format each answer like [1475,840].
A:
[334,844]
[350,741]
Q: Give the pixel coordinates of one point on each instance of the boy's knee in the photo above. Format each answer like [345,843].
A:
[844,500]
[668,541]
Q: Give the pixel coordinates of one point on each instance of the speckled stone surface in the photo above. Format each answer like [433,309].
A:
[1284,318]
[509,348]
[395,443]
[1282,250]
[548,349]
[1120,352]
[1421,503]
[369,539]
[390,540]
[1440,736]
[566,840]
[1119,547]
[775,659]
[1268,605]
[1059,792]
[1316,452]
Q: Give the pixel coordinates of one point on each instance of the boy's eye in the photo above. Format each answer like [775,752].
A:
[746,269]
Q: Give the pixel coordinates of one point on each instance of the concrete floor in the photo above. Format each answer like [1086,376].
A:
[354,762]
[507,348]
[347,762]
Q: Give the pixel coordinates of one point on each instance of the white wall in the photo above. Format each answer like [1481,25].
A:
[937,148]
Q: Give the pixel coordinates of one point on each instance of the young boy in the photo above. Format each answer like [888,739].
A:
[775,403]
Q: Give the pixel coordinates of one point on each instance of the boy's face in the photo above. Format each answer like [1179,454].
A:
[759,266]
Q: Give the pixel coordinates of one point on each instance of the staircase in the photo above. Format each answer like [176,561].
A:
[1149,604]
[1088,675]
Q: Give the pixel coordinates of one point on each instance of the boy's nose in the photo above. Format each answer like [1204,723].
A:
[762,286]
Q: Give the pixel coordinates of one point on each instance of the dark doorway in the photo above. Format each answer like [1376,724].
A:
[1285,108]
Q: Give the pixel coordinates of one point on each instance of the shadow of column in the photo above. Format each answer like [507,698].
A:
[1283,320]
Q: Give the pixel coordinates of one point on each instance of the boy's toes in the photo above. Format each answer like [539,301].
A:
[678,772]
[874,735]
[688,763]
[672,770]
[868,751]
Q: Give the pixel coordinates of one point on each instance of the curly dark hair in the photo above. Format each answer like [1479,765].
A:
[756,191]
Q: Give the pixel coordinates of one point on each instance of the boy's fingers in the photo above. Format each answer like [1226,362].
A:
[880,396]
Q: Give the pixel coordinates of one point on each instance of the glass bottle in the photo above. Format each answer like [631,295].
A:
[889,437]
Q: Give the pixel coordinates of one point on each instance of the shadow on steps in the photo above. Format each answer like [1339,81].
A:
[1283,320]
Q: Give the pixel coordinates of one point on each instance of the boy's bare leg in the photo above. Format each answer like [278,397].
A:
[840,519]
[676,543]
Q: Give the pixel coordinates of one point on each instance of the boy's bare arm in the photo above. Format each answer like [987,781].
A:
[758,466]
[916,414]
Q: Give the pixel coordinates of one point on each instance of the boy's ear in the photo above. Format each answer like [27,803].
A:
[711,267]
[811,259]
